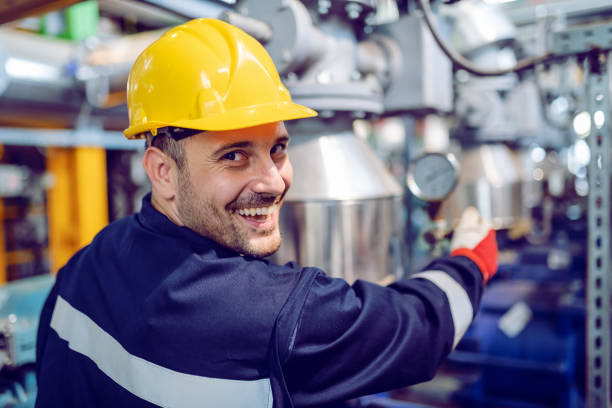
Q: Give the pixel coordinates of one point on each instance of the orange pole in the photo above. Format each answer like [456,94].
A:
[77,204]
[60,206]
[91,186]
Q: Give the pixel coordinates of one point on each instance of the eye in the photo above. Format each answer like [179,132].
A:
[278,148]
[235,156]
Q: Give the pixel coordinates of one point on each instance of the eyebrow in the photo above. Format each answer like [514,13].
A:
[245,144]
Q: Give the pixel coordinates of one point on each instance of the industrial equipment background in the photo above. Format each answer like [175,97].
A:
[516,91]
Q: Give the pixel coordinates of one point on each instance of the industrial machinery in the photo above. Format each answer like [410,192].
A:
[527,345]
[20,305]
[425,107]
[343,210]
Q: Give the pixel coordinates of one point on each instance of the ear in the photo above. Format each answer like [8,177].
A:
[162,172]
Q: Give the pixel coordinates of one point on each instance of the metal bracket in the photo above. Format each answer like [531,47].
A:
[113,140]
[582,39]
[598,69]
[594,41]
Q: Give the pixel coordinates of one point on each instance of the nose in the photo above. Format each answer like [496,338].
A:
[270,178]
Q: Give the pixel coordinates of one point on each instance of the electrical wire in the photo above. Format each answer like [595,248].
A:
[464,63]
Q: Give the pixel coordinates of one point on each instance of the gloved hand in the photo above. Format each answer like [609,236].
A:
[474,238]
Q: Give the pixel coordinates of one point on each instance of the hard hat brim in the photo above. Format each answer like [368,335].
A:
[231,120]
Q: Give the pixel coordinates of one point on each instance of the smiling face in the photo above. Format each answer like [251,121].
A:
[233,184]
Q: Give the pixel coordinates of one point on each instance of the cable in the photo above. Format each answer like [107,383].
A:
[465,64]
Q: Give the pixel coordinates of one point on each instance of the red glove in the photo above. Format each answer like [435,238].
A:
[475,238]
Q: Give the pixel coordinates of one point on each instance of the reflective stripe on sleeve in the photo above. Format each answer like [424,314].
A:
[151,382]
[460,305]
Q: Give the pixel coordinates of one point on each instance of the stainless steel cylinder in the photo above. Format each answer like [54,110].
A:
[343,212]
[347,239]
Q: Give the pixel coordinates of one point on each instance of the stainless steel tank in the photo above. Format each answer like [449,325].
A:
[343,212]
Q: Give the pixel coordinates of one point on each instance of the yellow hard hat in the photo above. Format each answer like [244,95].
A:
[206,75]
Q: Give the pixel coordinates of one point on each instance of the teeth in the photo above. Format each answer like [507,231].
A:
[255,211]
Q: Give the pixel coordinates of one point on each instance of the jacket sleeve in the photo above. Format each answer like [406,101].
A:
[362,339]
[43,326]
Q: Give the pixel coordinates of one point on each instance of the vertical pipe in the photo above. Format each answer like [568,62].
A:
[410,233]
[91,189]
[60,208]
[598,269]
[77,205]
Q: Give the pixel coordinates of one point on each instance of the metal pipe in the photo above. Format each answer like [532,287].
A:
[33,67]
[380,55]
[258,29]
[107,67]
[464,63]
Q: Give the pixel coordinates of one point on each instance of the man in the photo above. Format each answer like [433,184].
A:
[175,307]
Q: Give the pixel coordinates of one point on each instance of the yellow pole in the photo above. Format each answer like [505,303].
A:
[77,204]
[91,186]
[60,207]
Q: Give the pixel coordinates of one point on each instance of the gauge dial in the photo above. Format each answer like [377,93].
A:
[433,176]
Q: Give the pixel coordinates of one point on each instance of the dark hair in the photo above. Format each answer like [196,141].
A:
[164,142]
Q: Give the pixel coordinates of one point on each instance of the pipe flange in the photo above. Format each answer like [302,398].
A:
[359,97]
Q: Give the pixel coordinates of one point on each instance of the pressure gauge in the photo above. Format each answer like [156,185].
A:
[433,176]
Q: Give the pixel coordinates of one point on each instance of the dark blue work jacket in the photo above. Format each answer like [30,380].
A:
[153,314]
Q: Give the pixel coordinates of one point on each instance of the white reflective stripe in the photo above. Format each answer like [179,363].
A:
[151,382]
[458,299]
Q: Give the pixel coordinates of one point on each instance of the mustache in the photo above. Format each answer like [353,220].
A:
[254,200]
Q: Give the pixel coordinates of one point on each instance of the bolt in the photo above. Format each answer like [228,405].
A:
[370,19]
[462,76]
[353,10]
[286,55]
[324,6]
[324,77]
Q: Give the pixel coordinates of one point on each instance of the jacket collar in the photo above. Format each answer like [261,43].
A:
[154,220]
